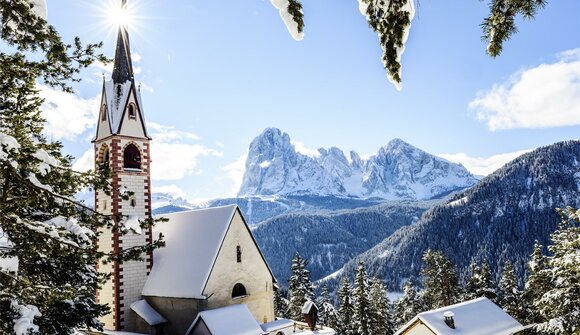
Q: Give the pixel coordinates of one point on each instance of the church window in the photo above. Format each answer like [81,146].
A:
[132,202]
[132,111]
[131,157]
[239,291]
[239,254]
[106,157]
[103,114]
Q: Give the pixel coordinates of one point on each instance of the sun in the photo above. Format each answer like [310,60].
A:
[120,15]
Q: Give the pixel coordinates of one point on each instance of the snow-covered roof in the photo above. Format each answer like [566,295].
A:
[116,97]
[307,306]
[230,320]
[182,268]
[474,317]
[147,313]
[276,325]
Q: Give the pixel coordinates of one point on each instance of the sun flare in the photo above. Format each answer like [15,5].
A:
[120,15]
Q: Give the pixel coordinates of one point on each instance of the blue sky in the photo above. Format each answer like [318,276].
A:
[216,73]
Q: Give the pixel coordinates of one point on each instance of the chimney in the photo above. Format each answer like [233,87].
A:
[449,319]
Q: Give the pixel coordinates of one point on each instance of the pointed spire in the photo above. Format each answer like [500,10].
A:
[122,68]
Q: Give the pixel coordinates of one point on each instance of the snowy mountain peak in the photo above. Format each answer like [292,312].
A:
[397,171]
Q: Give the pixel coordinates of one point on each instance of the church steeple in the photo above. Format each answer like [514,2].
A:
[123,68]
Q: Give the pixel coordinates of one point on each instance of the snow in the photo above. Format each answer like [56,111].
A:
[72,226]
[282,6]
[219,321]
[8,144]
[132,222]
[147,313]
[116,96]
[46,161]
[278,324]
[34,180]
[307,306]
[7,264]
[194,238]
[474,317]
[39,8]
[265,164]
[25,323]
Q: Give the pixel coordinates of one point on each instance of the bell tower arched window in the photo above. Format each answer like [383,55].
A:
[239,291]
[132,157]
[131,111]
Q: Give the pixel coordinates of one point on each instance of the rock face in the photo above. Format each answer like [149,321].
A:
[496,220]
[398,171]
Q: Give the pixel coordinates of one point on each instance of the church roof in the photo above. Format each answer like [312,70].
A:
[474,317]
[147,313]
[182,268]
[220,321]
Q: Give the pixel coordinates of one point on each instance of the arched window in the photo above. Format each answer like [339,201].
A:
[132,111]
[132,157]
[239,254]
[106,156]
[132,202]
[239,291]
[103,114]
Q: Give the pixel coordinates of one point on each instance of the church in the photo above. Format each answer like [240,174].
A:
[211,271]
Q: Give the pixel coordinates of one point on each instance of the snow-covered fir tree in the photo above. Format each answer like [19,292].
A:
[381,319]
[48,240]
[510,294]
[408,306]
[487,287]
[362,306]
[473,283]
[346,308]
[439,280]
[280,304]
[536,285]
[300,288]
[559,306]
[327,314]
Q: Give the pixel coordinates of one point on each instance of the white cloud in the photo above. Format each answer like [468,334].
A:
[85,162]
[173,190]
[235,172]
[299,147]
[538,97]
[67,115]
[483,166]
[173,156]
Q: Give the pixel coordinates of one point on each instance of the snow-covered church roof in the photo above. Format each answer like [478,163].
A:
[474,317]
[230,320]
[193,238]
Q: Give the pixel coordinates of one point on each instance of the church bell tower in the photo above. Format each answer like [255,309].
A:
[122,144]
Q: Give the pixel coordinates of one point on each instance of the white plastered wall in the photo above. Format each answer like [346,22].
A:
[252,272]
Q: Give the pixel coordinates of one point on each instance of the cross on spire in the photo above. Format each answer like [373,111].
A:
[122,68]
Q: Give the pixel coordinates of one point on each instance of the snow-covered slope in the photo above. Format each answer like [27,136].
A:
[398,171]
[496,220]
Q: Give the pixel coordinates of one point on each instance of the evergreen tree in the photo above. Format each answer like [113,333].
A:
[362,306]
[510,295]
[326,313]
[280,304]
[473,283]
[300,288]
[537,284]
[439,280]
[559,306]
[50,286]
[392,20]
[487,286]
[408,306]
[381,320]
[346,308]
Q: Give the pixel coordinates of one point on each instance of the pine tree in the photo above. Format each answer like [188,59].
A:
[487,286]
[280,304]
[537,284]
[361,319]
[326,313]
[346,308]
[473,283]
[300,288]
[439,280]
[559,306]
[408,306]
[50,238]
[381,320]
[510,295]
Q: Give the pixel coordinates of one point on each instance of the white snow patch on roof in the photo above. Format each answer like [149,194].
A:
[474,317]
[147,313]
[116,96]
[307,306]
[276,325]
[183,266]
[234,319]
